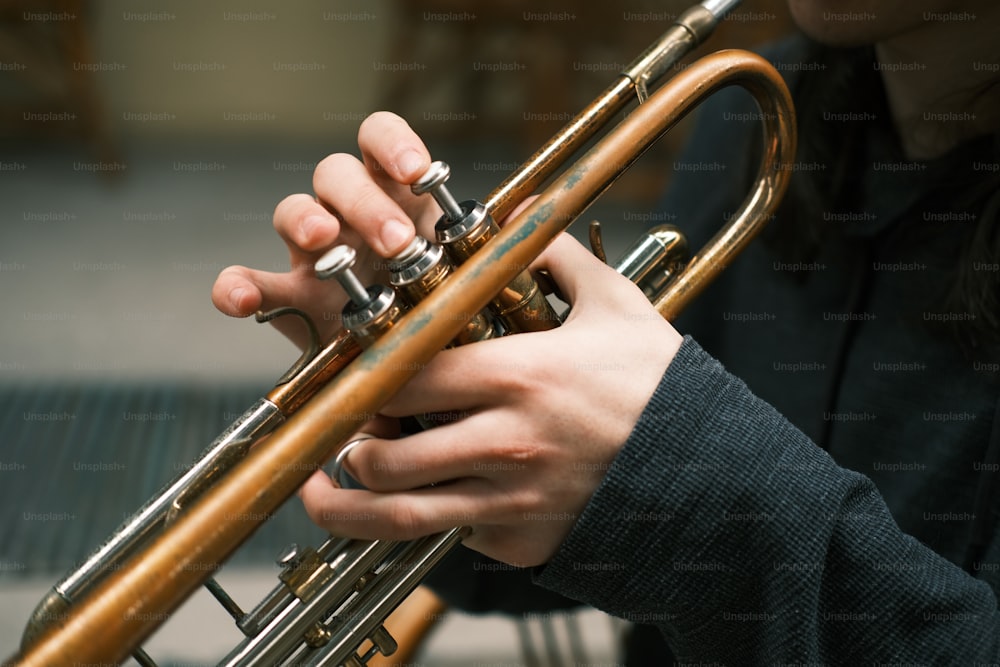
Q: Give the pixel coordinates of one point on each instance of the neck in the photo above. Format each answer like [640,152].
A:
[938,96]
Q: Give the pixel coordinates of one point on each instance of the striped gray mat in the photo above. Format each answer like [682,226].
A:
[76,460]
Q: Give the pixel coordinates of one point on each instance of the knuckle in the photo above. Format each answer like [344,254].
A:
[513,384]
[501,369]
[366,206]
[522,453]
[523,502]
[513,454]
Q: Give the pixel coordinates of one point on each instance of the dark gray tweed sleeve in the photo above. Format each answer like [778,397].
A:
[744,542]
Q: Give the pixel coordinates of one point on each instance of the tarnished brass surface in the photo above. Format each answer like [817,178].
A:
[305,574]
[779,136]
[520,304]
[479,327]
[332,359]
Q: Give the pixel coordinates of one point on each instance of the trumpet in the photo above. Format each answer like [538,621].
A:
[331,603]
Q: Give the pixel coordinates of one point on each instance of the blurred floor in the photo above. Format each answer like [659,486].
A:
[201,633]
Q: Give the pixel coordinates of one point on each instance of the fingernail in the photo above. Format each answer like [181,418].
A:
[394,235]
[236,296]
[409,163]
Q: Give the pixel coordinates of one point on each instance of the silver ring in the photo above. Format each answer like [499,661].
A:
[337,471]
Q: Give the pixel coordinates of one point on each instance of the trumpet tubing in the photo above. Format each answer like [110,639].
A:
[333,390]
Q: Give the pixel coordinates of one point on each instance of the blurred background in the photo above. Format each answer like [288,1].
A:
[143,147]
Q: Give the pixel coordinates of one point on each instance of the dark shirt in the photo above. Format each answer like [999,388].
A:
[724,522]
[826,493]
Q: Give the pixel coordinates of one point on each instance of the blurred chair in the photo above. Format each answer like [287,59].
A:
[507,66]
[47,89]
[517,71]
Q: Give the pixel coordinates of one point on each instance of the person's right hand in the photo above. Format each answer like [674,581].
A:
[364,203]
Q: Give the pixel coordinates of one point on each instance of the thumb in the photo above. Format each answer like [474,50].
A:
[580,275]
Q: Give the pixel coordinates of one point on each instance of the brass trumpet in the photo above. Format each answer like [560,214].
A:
[332,601]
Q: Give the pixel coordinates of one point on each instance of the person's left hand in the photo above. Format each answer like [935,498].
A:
[544,416]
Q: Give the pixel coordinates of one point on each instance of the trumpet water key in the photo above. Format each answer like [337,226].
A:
[331,602]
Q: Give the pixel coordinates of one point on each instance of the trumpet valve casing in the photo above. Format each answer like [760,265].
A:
[419,270]
[371,311]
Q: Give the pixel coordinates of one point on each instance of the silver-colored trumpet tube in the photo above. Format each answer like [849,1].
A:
[653,259]
[376,603]
[283,635]
[254,621]
[260,419]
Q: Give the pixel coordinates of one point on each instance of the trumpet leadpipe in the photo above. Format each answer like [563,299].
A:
[260,419]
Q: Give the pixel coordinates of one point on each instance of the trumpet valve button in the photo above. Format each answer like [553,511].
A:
[436,175]
[433,182]
[289,556]
[336,263]
[336,260]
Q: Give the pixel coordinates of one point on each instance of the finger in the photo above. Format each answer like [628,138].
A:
[370,515]
[439,455]
[344,184]
[392,150]
[466,378]
[397,157]
[381,426]
[579,274]
[317,485]
[235,292]
[523,204]
[307,228]
[240,291]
